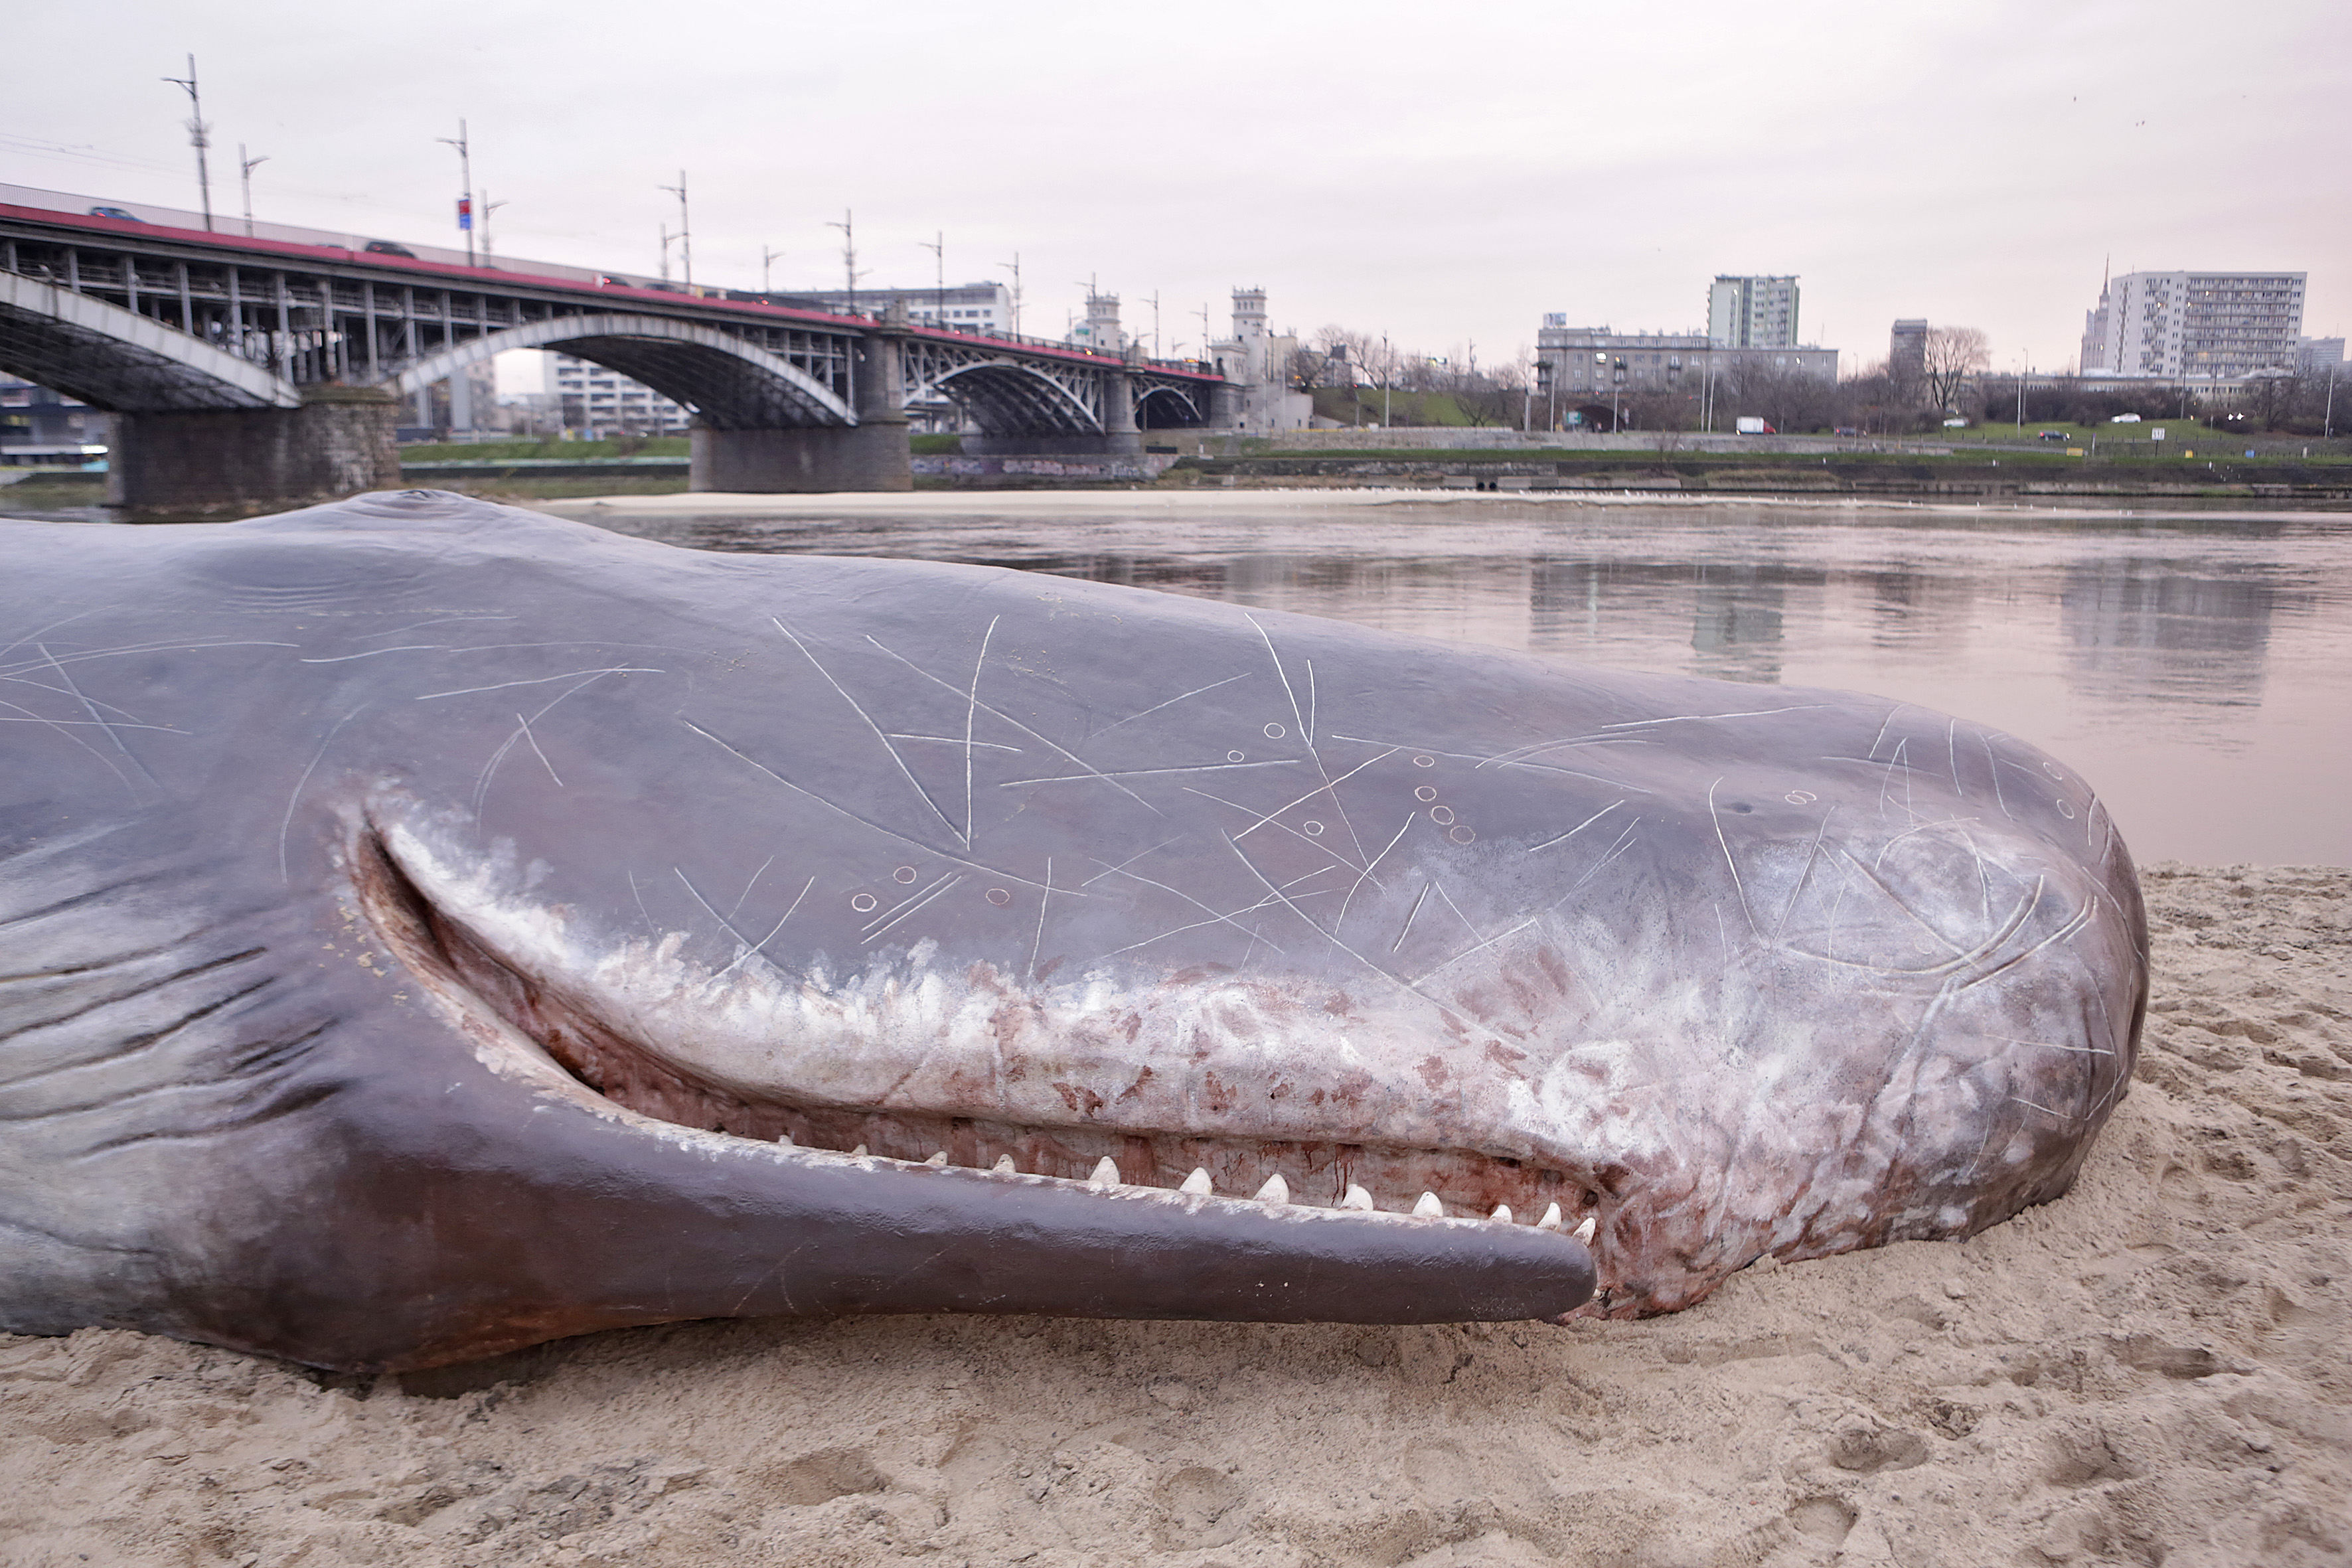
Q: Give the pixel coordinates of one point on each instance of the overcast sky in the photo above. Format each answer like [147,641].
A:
[1444,175]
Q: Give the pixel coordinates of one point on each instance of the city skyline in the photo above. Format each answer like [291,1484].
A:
[1444,189]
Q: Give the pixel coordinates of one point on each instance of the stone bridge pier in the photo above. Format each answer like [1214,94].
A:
[871,455]
[200,463]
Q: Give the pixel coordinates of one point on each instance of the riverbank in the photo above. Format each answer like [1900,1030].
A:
[2152,1369]
[2028,478]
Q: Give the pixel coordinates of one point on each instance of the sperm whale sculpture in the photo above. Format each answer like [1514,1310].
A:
[428,928]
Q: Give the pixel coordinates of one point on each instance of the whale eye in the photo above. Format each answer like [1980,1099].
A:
[1424,762]
[864,903]
[904,874]
[1275,731]
[999,897]
[1424,795]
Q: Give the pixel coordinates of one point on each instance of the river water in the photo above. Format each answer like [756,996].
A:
[2196,668]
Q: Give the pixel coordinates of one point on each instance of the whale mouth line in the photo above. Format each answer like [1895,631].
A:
[1357,1181]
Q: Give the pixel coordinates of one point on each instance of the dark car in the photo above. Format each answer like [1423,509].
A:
[386,247]
[116,212]
[2056,436]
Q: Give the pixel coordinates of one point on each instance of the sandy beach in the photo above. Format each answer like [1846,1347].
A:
[2154,1370]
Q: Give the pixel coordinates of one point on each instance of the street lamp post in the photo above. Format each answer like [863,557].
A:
[466,179]
[245,167]
[197,137]
[767,259]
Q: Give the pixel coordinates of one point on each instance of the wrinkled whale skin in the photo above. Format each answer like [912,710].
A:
[428,928]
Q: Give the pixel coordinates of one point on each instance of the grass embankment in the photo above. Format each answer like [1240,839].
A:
[53,492]
[1363,406]
[544,450]
[2183,439]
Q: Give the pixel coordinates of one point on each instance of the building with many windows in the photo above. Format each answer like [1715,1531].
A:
[585,397]
[961,307]
[1578,367]
[1752,312]
[2194,326]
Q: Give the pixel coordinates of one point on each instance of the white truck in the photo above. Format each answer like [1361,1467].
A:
[1751,425]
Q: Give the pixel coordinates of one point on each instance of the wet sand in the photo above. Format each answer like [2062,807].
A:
[2156,1369]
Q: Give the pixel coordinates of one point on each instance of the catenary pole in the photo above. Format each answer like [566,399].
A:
[197,137]
[245,167]
[848,253]
[685,231]
[466,180]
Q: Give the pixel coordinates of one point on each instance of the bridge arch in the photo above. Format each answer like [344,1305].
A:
[123,361]
[1008,398]
[1163,407]
[733,384]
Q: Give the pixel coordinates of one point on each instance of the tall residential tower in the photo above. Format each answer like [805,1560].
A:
[1752,312]
[2195,325]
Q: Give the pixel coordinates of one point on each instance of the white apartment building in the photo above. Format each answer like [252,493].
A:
[960,307]
[588,398]
[1752,312]
[2194,326]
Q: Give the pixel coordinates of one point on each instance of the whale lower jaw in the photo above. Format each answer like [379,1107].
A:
[1346,1179]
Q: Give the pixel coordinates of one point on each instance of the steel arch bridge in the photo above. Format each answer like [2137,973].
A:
[132,318]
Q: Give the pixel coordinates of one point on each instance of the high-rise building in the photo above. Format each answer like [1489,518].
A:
[2317,355]
[1906,351]
[2195,326]
[1752,312]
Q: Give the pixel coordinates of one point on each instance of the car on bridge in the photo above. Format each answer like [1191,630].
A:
[386,247]
[116,212]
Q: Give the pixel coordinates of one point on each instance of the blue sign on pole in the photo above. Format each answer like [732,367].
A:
[466,212]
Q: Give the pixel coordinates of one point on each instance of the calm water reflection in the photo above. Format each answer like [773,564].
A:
[2196,669]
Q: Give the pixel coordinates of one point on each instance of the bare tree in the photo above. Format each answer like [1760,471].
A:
[1954,355]
[1307,366]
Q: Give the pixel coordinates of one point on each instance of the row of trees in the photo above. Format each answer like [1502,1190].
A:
[1368,364]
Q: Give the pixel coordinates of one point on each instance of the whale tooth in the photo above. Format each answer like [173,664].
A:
[1550,1220]
[859,1152]
[1502,1212]
[1429,1207]
[1197,1184]
[1583,1233]
[1275,1191]
[938,1157]
[1005,1166]
[1357,1198]
[1105,1173]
